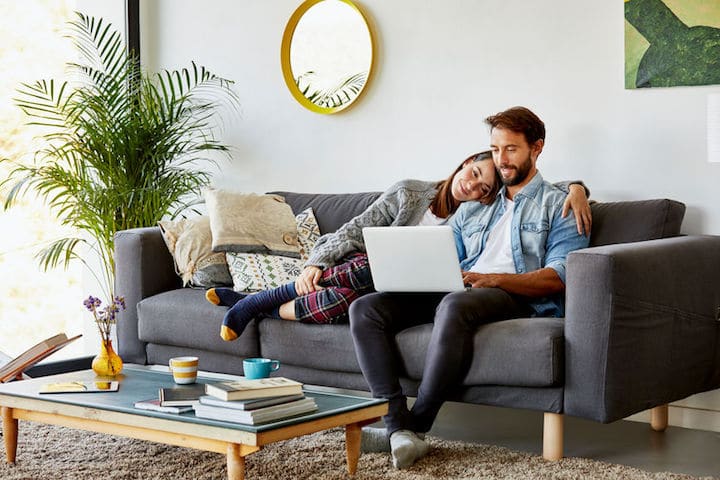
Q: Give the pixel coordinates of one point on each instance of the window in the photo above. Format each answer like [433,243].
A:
[35,304]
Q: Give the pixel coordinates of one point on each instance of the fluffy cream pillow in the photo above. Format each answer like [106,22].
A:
[252,272]
[251,223]
[190,243]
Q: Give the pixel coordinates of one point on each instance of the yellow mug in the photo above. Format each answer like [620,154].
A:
[184,369]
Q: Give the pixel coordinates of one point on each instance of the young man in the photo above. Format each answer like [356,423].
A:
[512,253]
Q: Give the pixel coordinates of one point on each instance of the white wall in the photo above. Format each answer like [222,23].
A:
[442,67]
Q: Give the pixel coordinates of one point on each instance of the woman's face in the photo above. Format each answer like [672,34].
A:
[474,180]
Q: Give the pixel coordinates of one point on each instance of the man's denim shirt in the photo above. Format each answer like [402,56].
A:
[540,237]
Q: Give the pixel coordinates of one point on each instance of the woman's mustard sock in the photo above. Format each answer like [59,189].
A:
[226,297]
[240,315]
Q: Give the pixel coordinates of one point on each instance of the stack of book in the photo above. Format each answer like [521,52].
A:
[178,399]
[252,402]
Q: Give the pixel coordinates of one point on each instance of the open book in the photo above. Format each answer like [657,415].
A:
[14,368]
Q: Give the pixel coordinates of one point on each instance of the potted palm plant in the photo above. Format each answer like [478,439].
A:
[122,148]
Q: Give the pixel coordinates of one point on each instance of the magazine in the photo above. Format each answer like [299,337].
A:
[154,405]
[181,395]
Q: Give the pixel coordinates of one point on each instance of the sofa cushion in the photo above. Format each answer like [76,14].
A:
[496,359]
[324,347]
[620,222]
[183,318]
[332,210]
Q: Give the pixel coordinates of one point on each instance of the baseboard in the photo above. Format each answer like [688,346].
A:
[700,412]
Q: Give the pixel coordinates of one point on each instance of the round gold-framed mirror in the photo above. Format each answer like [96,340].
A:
[327,54]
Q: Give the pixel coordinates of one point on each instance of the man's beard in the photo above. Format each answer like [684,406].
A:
[521,173]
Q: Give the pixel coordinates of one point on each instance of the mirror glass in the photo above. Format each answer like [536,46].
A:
[327,54]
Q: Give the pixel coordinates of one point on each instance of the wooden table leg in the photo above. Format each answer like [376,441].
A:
[10,433]
[659,418]
[553,436]
[235,462]
[353,434]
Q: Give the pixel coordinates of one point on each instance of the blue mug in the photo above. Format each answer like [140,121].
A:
[259,367]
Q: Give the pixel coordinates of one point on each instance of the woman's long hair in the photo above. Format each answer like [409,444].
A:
[444,204]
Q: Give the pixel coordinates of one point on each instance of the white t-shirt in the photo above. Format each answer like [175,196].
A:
[497,257]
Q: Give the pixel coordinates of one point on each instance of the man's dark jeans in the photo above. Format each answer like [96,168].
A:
[377,317]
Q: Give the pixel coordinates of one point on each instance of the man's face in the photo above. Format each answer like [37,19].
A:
[514,158]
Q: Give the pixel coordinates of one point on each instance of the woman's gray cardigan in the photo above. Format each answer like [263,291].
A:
[404,203]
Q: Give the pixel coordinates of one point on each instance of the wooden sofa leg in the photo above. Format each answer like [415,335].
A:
[659,418]
[553,436]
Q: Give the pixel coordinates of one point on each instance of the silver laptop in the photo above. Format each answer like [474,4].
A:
[413,259]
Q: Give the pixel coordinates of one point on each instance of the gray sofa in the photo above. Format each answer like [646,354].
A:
[641,326]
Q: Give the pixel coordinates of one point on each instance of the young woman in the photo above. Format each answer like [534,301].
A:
[337,270]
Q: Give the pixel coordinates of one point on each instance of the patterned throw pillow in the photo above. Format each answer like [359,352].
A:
[252,272]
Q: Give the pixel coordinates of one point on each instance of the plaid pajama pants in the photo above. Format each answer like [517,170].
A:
[344,283]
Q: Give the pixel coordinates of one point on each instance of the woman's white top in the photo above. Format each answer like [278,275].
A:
[431,220]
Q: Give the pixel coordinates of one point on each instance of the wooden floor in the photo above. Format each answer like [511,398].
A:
[678,450]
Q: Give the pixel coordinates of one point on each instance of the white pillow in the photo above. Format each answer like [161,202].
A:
[251,223]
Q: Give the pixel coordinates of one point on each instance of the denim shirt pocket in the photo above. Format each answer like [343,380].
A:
[533,237]
[473,239]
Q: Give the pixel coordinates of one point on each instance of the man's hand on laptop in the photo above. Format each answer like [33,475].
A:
[308,281]
[477,280]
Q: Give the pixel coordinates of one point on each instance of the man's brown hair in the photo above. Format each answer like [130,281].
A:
[519,120]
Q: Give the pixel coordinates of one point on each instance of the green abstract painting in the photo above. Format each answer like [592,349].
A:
[670,43]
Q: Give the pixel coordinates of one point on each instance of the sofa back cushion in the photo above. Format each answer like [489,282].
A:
[331,210]
[613,222]
[634,221]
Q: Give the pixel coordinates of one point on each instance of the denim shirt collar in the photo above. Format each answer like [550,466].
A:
[530,190]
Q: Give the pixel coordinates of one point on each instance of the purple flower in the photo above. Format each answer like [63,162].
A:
[91,303]
[119,301]
[105,317]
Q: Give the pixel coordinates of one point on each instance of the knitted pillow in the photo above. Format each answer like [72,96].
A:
[252,272]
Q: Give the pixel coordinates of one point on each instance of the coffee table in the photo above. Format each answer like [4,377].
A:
[113,413]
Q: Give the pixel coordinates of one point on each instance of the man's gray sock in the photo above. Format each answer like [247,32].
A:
[406,448]
[374,440]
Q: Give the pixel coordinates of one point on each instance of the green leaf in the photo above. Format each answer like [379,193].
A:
[122,148]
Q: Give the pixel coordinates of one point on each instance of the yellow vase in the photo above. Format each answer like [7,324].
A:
[107,363]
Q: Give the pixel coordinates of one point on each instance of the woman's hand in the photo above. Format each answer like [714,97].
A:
[577,201]
[308,280]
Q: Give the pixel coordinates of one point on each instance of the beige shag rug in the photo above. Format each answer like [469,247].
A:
[54,453]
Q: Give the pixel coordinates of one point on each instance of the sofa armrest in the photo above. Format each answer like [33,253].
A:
[143,267]
[641,325]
